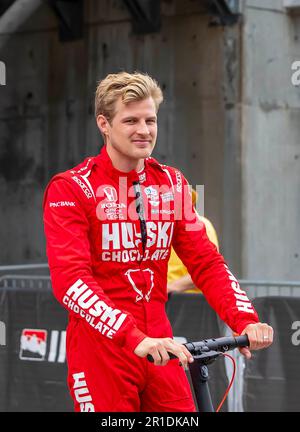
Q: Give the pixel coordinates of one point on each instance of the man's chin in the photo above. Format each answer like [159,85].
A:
[143,153]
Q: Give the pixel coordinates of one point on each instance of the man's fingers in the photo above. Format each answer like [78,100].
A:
[160,348]
[246,352]
[160,355]
[164,356]
[260,335]
[264,336]
[187,354]
[270,334]
[181,352]
[155,355]
[267,335]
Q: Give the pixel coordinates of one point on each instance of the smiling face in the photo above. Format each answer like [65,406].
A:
[131,134]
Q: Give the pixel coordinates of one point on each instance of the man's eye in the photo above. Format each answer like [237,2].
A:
[151,121]
[130,121]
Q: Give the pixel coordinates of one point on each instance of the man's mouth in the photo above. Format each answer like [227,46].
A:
[141,143]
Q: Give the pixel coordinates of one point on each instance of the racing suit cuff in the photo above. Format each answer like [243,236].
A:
[243,324]
[133,338]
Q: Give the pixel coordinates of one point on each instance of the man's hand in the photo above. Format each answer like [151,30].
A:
[260,336]
[158,348]
[175,287]
[181,284]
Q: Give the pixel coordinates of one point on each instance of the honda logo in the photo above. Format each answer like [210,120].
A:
[111,194]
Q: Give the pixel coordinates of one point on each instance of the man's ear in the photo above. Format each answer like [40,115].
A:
[102,124]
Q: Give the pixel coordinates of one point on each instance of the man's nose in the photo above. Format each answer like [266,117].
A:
[143,128]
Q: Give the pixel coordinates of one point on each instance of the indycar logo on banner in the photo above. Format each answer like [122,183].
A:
[35,345]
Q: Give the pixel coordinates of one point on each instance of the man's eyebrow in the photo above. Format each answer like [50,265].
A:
[136,118]
[129,118]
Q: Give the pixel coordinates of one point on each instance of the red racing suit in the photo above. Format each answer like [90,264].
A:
[111,276]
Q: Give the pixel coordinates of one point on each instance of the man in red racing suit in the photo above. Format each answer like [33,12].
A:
[109,234]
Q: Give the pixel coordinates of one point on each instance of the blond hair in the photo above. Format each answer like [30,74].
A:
[130,87]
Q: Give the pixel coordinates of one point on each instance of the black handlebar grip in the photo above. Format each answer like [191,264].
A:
[242,341]
[219,344]
[151,359]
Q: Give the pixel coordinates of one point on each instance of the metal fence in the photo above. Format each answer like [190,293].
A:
[26,282]
[253,288]
[23,267]
[263,288]
[33,276]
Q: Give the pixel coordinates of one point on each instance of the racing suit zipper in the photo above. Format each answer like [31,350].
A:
[141,213]
[143,227]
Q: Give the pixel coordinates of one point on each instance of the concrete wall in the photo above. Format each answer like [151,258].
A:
[230,120]
[47,121]
[270,143]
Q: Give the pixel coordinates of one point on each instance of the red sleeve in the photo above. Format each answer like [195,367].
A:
[68,249]
[208,268]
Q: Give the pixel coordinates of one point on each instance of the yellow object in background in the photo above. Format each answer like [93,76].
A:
[176,268]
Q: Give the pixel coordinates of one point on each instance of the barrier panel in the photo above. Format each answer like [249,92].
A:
[241,399]
[272,378]
[33,369]
[32,347]
[192,319]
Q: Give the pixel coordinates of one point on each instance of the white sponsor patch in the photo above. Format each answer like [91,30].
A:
[62,204]
[111,194]
[152,195]
[142,178]
[179,181]
[81,300]
[134,255]
[85,189]
[167,197]
[84,168]
[140,295]
[82,393]
[113,205]
[123,235]
[243,303]
[165,212]
[150,190]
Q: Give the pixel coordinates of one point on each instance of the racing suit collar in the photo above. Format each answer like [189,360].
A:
[105,162]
